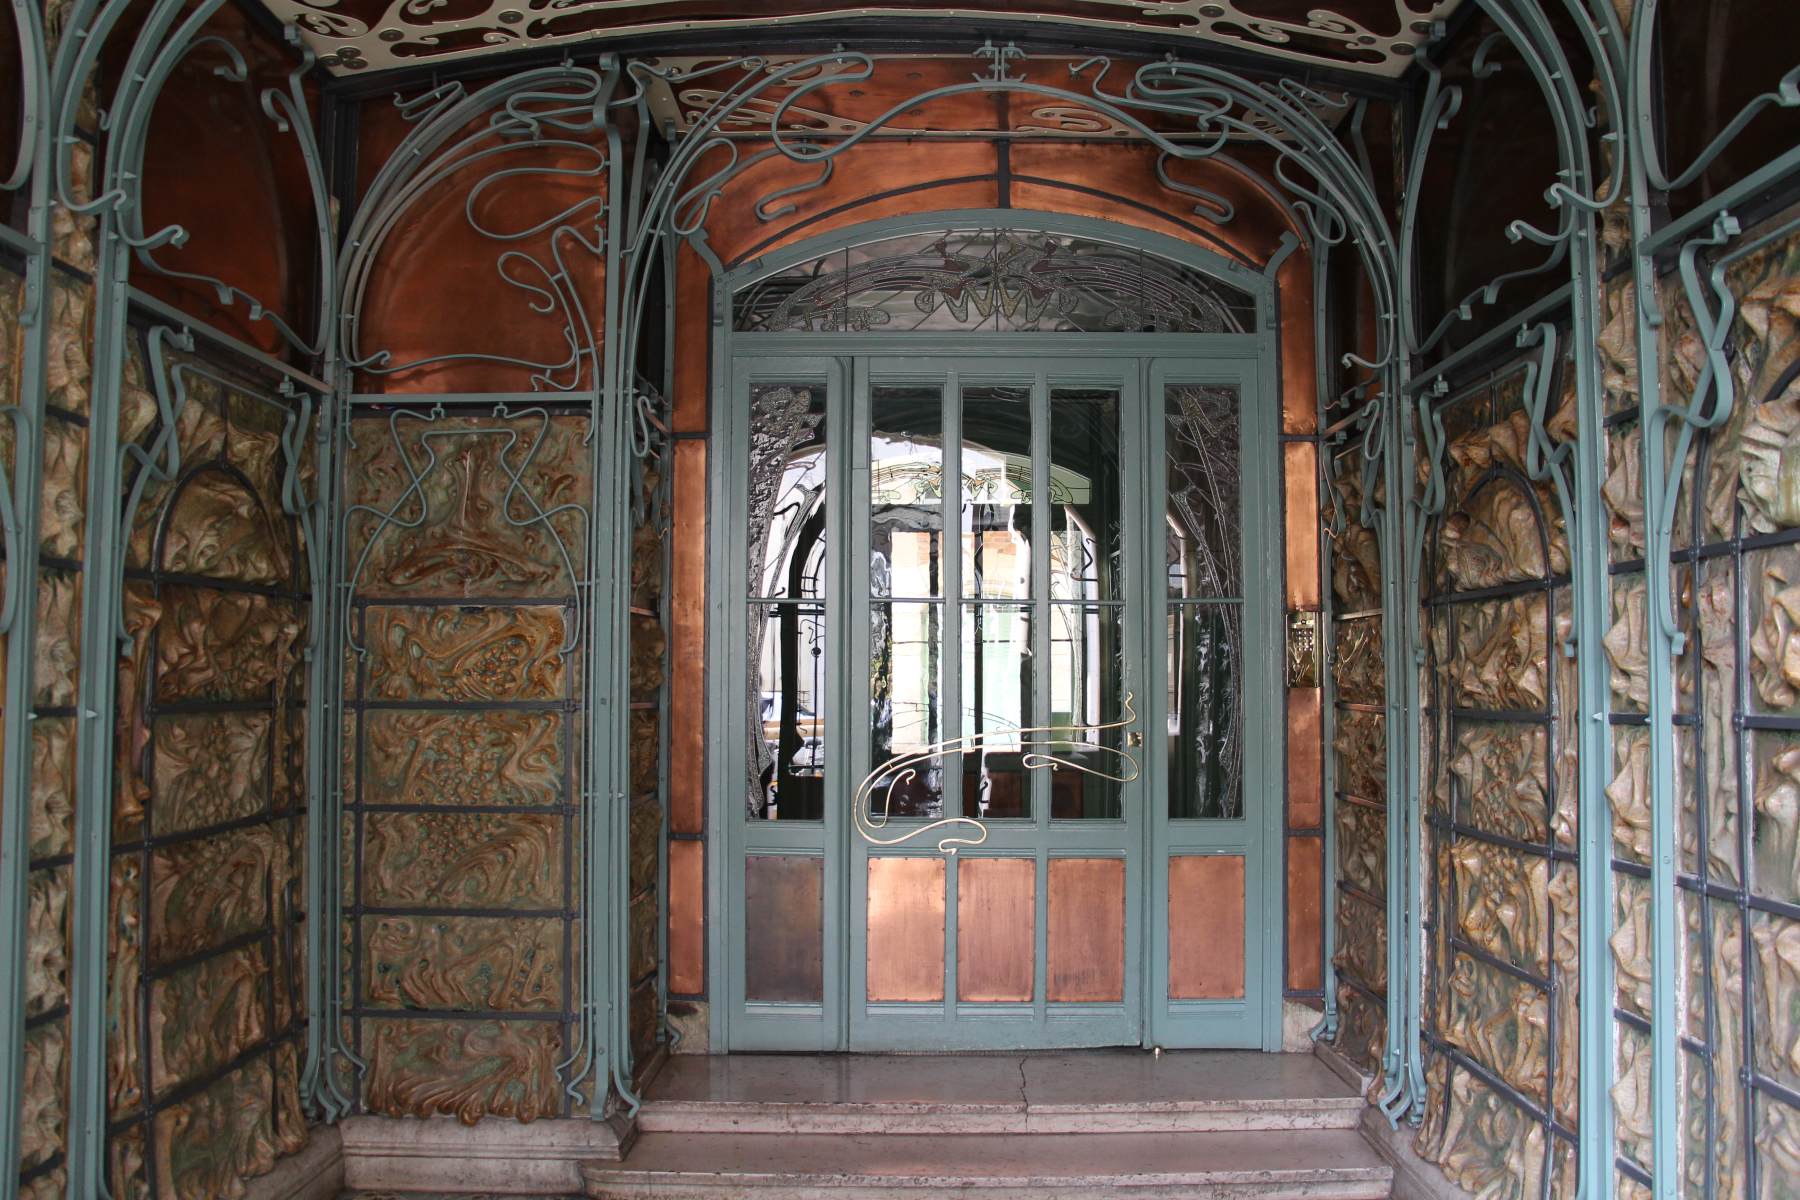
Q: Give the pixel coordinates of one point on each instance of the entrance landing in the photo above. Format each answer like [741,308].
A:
[1087,1091]
[1207,1125]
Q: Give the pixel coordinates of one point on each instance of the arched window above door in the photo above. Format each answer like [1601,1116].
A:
[992,280]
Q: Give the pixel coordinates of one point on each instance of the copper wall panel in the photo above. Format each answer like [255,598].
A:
[687,641]
[690,391]
[1086,958]
[1300,483]
[1299,364]
[996,928]
[1305,765]
[1305,913]
[784,928]
[906,929]
[687,918]
[1206,927]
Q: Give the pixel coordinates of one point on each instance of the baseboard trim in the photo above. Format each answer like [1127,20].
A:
[316,1172]
[440,1154]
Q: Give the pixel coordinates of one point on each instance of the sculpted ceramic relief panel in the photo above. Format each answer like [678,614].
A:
[1361,745]
[1361,943]
[220,529]
[457,654]
[466,1069]
[43,1114]
[1502,906]
[204,1016]
[1355,554]
[58,638]
[462,860]
[464,963]
[1499,1021]
[52,786]
[1362,1027]
[206,892]
[211,1144]
[1497,656]
[210,769]
[1357,666]
[1362,847]
[46,941]
[219,645]
[469,528]
[492,757]
[1497,776]
[1775,840]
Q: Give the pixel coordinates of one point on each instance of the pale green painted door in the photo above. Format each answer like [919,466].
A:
[994,612]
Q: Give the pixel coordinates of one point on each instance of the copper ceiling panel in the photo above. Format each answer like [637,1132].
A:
[1376,37]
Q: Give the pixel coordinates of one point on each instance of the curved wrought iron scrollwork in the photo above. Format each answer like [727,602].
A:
[1041,748]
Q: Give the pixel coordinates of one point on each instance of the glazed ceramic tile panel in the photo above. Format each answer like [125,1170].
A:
[206,1007]
[1501,960]
[467,538]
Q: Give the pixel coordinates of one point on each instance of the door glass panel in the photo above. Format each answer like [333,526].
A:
[906,489]
[906,719]
[1203,621]
[1085,505]
[786,777]
[1087,664]
[996,492]
[997,689]
[1204,540]
[785,622]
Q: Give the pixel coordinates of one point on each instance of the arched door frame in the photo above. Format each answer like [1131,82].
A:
[827,355]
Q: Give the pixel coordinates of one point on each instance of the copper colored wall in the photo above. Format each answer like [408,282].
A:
[882,179]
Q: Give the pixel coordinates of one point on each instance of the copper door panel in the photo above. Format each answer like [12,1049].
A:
[996,924]
[784,928]
[906,929]
[1087,929]
[1206,927]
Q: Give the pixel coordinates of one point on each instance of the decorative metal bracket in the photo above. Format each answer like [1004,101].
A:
[1041,747]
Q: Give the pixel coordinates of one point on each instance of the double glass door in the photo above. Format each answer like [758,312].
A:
[996,790]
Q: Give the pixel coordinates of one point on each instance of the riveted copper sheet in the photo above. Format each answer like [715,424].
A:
[1300,479]
[691,388]
[687,641]
[784,928]
[906,929]
[687,918]
[1305,928]
[1305,755]
[996,928]
[1206,927]
[1086,958]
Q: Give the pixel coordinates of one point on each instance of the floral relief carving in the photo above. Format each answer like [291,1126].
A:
[1501,1022]
[457,654]
[1500,657]
[1361,943]
[1631,943]
[1485,1144]
[52,785]
[464,963]
[462,860]
[1776,845]
[1362,1027]
[131,785]
[63,510]
[58,638]
[466,1069]
[493,757]
[125,958]
[1775,630]
[1498,774]
[1627,645]
[1623,492]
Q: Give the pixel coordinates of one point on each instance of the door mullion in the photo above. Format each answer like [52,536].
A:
[1041,791]
[950,630]
[852,575]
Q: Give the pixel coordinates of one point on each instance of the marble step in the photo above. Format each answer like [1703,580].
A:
[1086,1092]
[1316,1164]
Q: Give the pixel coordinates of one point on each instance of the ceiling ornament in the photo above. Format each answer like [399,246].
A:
[1374,37]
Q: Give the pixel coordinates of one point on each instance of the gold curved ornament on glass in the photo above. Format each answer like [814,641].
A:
[1040,749]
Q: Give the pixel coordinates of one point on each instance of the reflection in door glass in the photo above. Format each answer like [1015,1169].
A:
[787,734]
[1084,493]
[1204,618]
[1087,666]
[996,492]
[785,526]
[906,491]
[906,720]
[997,690]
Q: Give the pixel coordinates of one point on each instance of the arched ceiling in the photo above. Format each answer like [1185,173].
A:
[1371,37]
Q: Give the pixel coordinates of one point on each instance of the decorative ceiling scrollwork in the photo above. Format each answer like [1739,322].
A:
[1375,37]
